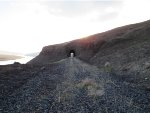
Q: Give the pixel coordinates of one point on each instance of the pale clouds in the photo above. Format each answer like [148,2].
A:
[74,9]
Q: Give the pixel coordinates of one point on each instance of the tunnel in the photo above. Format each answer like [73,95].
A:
[71,53]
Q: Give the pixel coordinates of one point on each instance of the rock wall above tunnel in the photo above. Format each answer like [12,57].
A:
[96,48]
[83,49]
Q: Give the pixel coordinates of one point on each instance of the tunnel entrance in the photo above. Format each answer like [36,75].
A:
[72,53]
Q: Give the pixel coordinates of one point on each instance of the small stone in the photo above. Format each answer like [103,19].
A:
[107,64]
[147,65]
[42,68]
[146,78]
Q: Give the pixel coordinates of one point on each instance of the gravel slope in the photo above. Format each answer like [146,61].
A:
[73,86]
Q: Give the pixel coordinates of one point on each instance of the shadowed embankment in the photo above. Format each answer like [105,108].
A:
[70,86]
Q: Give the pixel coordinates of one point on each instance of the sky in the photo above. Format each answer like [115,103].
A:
[28,25]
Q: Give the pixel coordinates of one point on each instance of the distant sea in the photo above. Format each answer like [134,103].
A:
[23,60]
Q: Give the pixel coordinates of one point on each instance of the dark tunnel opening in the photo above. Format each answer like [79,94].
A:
[71,53]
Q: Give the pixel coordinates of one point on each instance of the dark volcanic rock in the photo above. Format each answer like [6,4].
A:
[73,86]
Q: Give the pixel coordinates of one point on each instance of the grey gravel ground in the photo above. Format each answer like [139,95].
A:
[73,86]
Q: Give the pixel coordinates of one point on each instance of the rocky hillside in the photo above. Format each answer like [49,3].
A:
[124,49]
[68,86]
[119,47]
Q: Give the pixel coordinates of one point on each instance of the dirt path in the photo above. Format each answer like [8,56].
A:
[73,86]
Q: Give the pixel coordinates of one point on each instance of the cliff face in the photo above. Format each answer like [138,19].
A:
[84,49]
[119,47]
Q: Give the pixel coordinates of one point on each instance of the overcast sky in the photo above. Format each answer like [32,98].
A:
[28,25]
